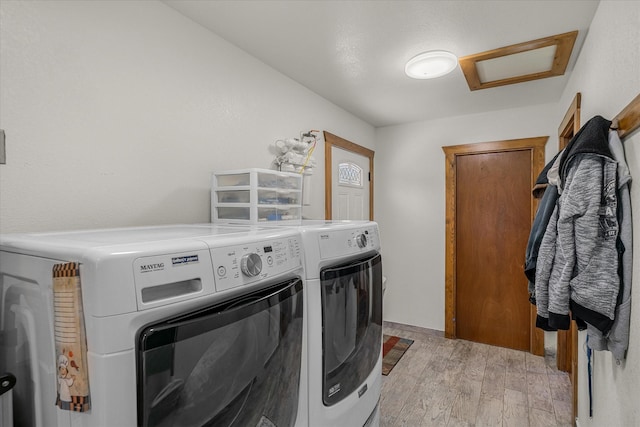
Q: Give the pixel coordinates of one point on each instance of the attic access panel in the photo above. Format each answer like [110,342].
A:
[532,60]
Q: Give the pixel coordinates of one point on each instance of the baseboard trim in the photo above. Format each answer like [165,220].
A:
[412,328]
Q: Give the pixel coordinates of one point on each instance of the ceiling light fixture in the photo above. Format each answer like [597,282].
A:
[431,64]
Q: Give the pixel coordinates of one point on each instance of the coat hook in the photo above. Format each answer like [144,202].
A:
[614,124]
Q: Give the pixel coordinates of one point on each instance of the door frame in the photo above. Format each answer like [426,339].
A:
[567,341]
[331,140]
[536,147]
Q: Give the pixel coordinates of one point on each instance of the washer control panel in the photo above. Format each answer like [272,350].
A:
[239,265]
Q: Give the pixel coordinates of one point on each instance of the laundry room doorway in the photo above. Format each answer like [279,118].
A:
[489,211]
[348,180]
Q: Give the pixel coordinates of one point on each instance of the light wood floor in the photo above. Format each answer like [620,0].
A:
[442,382]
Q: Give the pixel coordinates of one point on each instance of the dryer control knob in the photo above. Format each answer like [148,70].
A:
[361,240]
[251,264]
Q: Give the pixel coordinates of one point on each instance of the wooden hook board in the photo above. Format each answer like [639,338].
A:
[628,119]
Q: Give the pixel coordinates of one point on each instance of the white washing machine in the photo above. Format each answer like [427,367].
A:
[184,325]
[343,288]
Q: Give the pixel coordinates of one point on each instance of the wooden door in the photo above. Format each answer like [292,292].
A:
[489,215]
[493,222]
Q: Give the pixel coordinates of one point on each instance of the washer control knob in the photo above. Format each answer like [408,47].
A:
[251,264]
[361,240]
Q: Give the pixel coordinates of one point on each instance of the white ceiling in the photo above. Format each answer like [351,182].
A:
[353,52]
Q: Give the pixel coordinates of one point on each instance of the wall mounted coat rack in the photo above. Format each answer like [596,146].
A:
[628,119]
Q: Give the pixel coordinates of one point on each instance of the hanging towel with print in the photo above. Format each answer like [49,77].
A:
[71,344]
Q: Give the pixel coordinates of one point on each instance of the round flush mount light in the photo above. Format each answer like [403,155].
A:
[432,64]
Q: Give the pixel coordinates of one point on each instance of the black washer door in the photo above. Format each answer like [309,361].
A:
[232,364]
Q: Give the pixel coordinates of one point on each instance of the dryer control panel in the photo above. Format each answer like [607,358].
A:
[242,264]
[336,243]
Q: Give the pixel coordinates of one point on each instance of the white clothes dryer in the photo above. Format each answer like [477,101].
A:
[185,325]
[343,288]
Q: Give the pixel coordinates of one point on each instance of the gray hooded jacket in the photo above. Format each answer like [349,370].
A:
[578,258]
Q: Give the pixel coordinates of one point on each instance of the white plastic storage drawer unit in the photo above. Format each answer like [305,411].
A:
[252,196]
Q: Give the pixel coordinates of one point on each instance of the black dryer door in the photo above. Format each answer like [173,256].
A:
[352,325]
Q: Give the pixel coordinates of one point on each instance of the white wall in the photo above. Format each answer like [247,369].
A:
[410,201]
[116,113]
[607,74]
